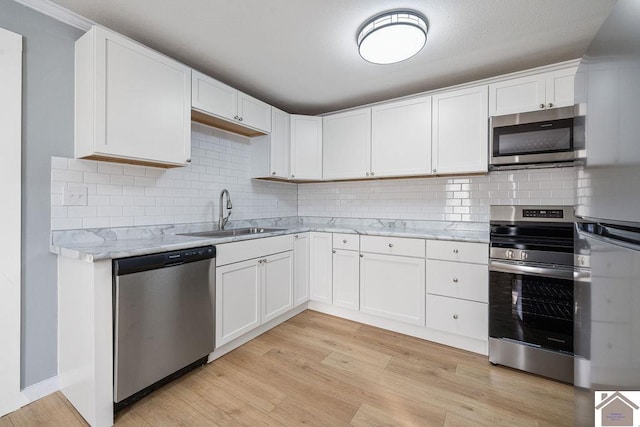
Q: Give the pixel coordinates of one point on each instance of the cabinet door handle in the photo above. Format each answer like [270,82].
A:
[549,105]
[344,241]
[455,251]
[259,261]
[434,170]
[390,245]
[188,160]
[361,255]
[273,173]
[236,117]
[296,236]
[455,316]
[293,176]
[240,119]
[455,280]
[367,173]
[541,105]
[334,251]
[372,173]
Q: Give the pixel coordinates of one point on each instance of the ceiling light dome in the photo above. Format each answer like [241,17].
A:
[392,36]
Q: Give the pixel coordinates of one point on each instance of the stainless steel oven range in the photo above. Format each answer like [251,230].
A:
[531,289]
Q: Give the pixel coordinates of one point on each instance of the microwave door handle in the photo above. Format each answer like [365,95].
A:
[556,273]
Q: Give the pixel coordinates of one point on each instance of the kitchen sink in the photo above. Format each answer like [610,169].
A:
[233,232]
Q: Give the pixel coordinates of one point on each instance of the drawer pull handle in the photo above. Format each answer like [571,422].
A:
[296,236]
[344,241]
[455,251]
[455,316]
[361,256]
[334,251]
[455,280]
[390,245]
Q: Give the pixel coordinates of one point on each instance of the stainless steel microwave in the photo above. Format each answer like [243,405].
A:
[532,138]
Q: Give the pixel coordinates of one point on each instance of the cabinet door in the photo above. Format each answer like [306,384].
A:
[280,143]
[560,89]
[301,272]
[346,279]
[517,95]
[140,99]
[401,138]
[213,97]
[346,144]
[306,147]
[393,287]
[320,267]
[253,112]
[277,289]
[237,300]
[460,131]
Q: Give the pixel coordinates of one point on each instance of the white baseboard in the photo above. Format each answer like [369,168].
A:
[41,389]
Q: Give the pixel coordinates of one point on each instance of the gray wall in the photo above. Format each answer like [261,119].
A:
[47,129]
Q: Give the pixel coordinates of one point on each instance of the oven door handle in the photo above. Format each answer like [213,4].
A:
[555,272]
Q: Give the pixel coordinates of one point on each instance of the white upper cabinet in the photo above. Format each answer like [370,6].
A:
[132,104]
[552,89]
[306,147]
[271,154]
[211,97]
[346,144]
[401,138]
[460,131]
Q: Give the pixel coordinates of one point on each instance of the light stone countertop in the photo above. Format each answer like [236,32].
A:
[110,243]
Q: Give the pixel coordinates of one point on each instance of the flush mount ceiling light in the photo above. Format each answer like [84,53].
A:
[392,36]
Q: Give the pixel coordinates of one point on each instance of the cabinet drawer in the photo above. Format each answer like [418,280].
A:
[458,280]
[460,317]
[350,242]
[229,253]
[477,253]
[393,246]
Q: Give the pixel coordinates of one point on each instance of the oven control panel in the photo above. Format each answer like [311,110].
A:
[543,213]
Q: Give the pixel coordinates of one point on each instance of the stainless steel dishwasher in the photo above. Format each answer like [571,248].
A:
[163,311]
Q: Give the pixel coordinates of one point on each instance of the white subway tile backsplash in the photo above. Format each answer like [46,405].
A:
[130,195]
[82,165]
[123,195]
[438,199]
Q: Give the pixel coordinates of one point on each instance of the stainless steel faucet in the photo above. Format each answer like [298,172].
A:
[222,221]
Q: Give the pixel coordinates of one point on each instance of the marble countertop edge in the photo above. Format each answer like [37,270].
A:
[96,249]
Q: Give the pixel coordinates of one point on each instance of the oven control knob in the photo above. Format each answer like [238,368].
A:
[524,255]
[508,253]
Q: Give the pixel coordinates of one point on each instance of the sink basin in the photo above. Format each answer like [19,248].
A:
[233,232]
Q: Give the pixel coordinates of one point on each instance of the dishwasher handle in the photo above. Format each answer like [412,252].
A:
[141,263]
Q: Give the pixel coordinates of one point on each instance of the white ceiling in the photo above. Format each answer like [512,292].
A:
[301,55]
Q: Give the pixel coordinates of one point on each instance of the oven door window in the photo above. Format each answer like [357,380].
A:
[532,309]
[534,138]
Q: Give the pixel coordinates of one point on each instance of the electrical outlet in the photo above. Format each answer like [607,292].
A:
[74,195]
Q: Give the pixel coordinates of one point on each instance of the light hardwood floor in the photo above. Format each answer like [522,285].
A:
[317,369]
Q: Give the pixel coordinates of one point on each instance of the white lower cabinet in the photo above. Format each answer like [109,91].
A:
[277,285]
[460,317]
[237,300]
[458,280]
[250,292]
[393,287]
[320,267]
[301,274]
[346,279]
[458,288]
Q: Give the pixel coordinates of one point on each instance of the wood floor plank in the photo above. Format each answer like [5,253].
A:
[319,370]
[5,421]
